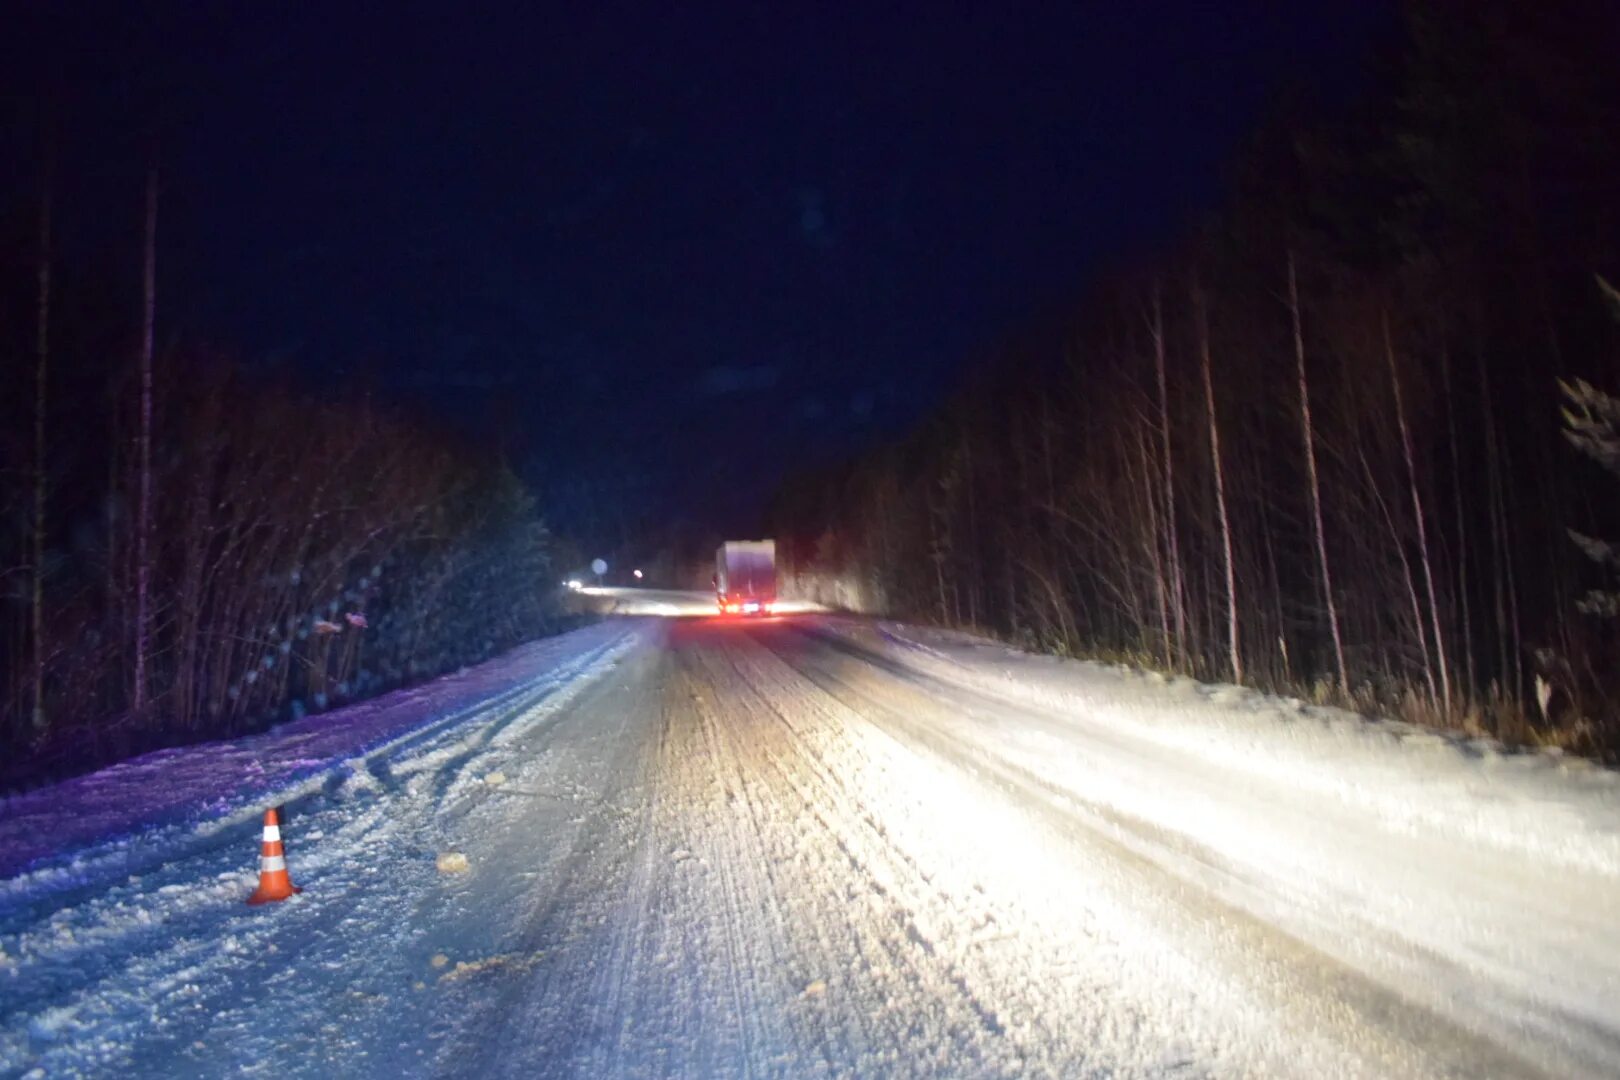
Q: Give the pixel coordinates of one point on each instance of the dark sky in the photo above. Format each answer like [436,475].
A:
[659,255]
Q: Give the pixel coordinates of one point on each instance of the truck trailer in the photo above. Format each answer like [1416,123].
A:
[745,577]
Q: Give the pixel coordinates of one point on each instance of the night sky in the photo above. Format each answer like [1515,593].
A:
[657,256]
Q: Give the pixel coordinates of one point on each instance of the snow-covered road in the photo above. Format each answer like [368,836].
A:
[817,846]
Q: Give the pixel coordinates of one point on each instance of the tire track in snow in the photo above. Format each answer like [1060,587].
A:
[939,927]
[1317,989]
[654,958]
[1516,950]
[931,1020]
[560,861]
[612,991]
[751,840]
[720,871]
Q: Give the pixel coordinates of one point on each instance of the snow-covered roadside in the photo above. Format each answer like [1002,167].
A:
[1473,882]
[110,822]
[1405,776]
[141,946]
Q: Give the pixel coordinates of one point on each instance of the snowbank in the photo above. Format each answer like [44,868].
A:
[55,837]
[1403,776]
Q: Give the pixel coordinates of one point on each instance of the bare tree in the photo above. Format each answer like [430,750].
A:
[1464,616]
[1417,512]
[143,526]
[1173,547]
[1398,545]
[1151,546]
[1592,425]
[1234,648]
[1309,434]
[41,372]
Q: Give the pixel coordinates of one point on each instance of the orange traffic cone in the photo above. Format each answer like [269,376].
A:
[274,884]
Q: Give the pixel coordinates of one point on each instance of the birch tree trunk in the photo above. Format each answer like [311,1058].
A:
[1417,511]
[1160,586]
[1309,434]
[1233,646]
[1398,543]
[1464,615]
[1177,609]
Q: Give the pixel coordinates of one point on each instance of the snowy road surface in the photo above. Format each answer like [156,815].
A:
[816,846]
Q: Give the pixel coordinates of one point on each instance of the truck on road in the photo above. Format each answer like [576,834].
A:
[745,577]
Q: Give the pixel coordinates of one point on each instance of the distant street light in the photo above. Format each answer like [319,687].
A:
[637,573]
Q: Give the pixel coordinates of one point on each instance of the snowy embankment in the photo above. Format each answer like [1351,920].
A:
[1475,883]
[135,954]
[1541,803]
[112,821]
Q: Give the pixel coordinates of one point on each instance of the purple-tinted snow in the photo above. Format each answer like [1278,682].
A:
[193,783]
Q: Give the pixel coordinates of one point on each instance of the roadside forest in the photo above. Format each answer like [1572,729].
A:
[193,546]
[1351,438]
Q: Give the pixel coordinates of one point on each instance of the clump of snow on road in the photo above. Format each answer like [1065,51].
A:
[452,862]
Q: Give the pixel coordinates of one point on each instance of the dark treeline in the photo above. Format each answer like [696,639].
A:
[1318,446]
[191,549]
